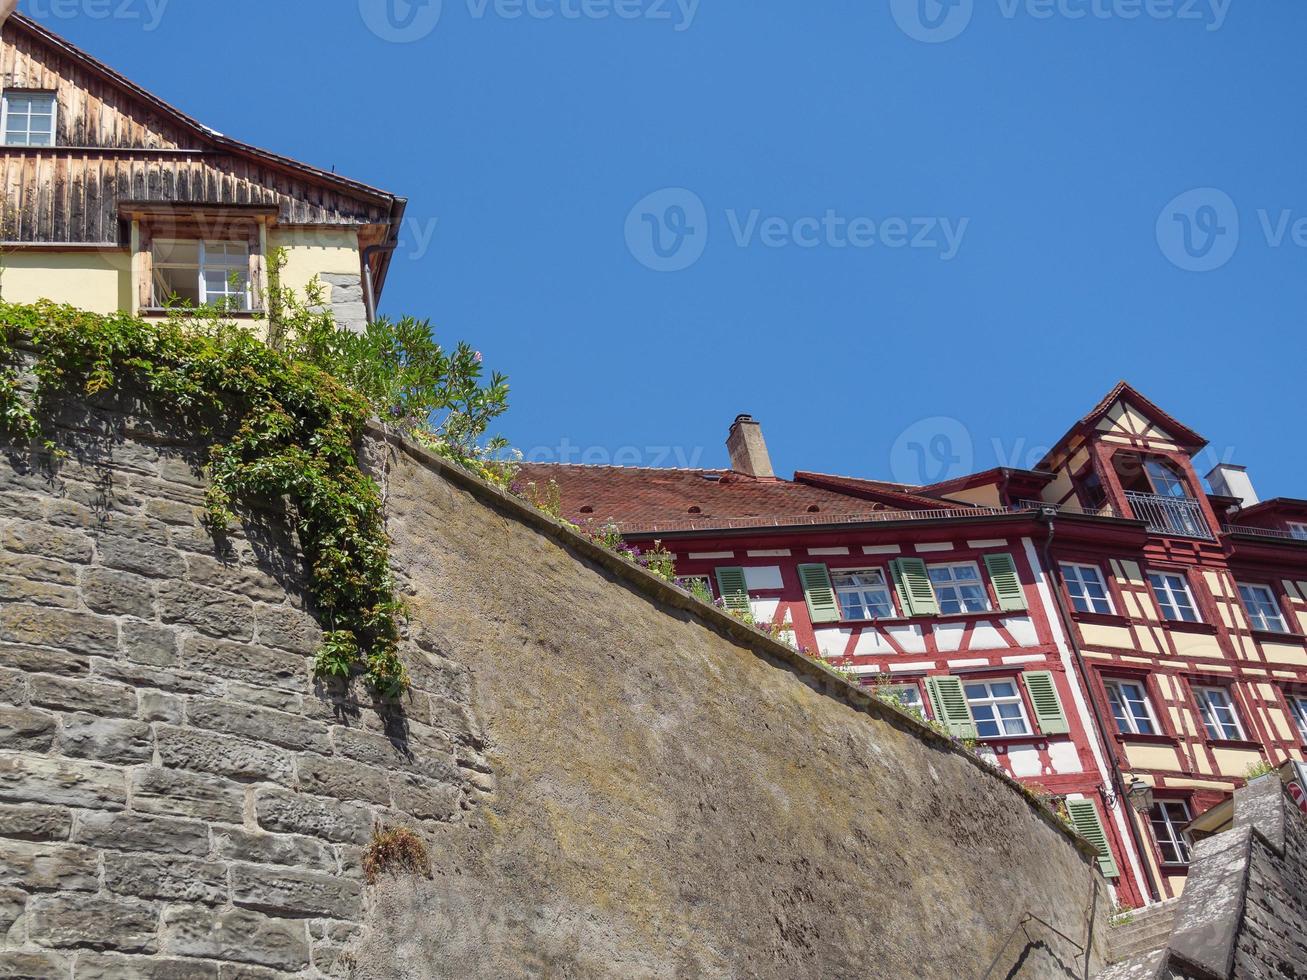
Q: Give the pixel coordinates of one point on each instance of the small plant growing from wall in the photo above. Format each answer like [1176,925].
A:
[395,851]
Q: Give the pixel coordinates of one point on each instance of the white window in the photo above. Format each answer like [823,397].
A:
[1130,707]
[201,273]
[997,708]
[1169,818]
[1263,610]
[1087,588]
[1219,717]
[905,696]
[29,118]
[863,594]
[1173,595]
[1298,705]
[959,588]
[1298,531]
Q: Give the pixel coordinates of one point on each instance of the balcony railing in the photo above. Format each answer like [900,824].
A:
[1263,532]
[1177,516]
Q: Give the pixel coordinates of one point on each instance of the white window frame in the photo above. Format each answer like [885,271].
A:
[1261,609]
[1129,714]
[1176,837]
[863,590]
[246,299]
[953,584]
[992,700]
[1298,708]
[1167,595]
[54,117]
[1297,530]
[1073,573]
[1212,702]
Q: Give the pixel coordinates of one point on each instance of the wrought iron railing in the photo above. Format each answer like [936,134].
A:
[1181,517]
[1263,532]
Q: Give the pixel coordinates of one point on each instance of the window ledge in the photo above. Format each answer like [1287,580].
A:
[1126,738]
[1234,743]
[1275,636]
[1183,627]
[1102,619]
[1002,742]
[234,314]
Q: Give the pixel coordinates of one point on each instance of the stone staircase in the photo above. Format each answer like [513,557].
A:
[1136,946]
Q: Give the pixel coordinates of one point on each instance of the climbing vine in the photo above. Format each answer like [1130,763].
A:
[279,427]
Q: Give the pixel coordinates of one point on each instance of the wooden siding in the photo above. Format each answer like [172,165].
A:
[115,145]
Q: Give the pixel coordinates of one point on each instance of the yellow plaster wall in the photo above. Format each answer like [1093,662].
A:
[1236,762]
[1285,653]
[91,279]
[1107,636]
[316,252]
[1152,757]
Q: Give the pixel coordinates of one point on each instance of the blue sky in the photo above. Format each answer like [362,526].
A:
[889,224]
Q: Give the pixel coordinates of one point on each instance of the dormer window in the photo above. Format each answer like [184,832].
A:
[28,118]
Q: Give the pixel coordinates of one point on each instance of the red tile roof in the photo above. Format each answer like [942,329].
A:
[674,498]
[900,495]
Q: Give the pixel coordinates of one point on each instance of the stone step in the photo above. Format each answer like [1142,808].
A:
[1144,966]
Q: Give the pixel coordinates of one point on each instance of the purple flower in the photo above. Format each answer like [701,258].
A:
[477,357]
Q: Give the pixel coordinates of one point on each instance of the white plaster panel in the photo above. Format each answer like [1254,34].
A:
[764,610]
[1023,760]
[771,553]
[910,668]
[710,555]
[909,637]
[828,551]
[1023,630]
[986,637]
[988,543]
[831,642]
[1028,658]
[948,636]
[1064,757]
[881,549]
[871,642]
[936,546]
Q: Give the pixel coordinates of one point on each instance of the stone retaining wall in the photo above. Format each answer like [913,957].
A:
[177,797]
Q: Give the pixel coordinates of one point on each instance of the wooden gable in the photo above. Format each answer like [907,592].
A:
[117,143]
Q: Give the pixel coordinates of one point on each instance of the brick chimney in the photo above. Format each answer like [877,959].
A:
[748,449]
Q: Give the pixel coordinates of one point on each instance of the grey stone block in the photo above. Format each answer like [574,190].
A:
[158,706]
[13,686]
[106,739]
[109,966]
[241,578]
[22,506]
[211,611]
[147,643]
[174,512]
[36,822]
[187,472]
[48,867]
[166,876]
[287,628]
[33,568]
[426,799]
[185,794]
[282,891]
[133,832]
[96,697]
[13,901]
[243,662]
[141,557]
[15,589]
[267,697]
[41,660]
[16,965]
[236,934]
[370,748]
[43,779]
[140,676]
[297,813]
[279,728]
[65,629]
[115,593]
[26,730]
[46,541]
[236,844]
[92,922]
[343,779]
[224,755]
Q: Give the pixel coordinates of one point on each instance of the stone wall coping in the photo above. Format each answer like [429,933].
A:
[819,677]
[1207,924]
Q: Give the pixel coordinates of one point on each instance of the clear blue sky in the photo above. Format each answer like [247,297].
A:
[1054,143]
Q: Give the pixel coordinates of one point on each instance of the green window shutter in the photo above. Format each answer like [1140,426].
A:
[733,589]
[822,607]
[1048,706]
[950,706]
[1007,584]
[912,582]
[1084,817]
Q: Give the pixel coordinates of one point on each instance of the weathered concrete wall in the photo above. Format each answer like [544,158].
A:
[177,799]
[671,802]
[612,784]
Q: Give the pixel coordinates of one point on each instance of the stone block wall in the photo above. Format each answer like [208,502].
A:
[1272,939]
[177,797]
